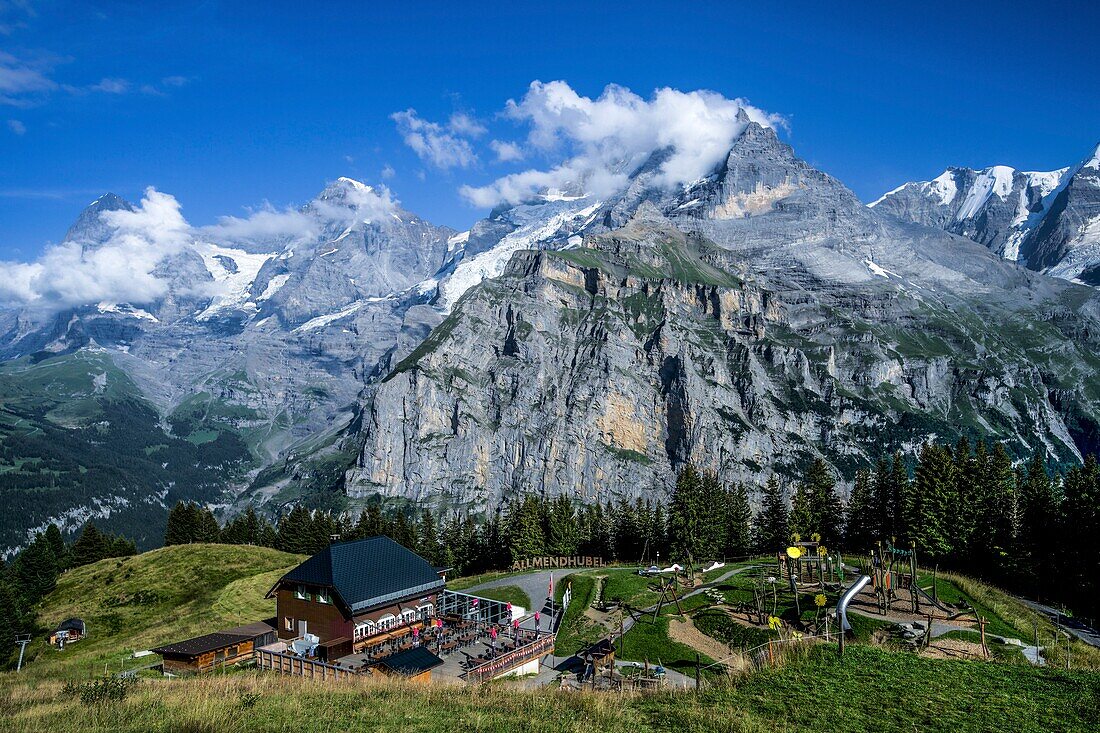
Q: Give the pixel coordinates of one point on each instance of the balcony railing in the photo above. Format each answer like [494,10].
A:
[511,660]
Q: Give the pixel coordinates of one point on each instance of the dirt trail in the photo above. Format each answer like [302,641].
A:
[685,632]
[953,649]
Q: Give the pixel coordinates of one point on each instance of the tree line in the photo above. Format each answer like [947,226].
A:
[964,507]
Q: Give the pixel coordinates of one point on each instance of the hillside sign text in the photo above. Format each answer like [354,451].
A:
[576,561]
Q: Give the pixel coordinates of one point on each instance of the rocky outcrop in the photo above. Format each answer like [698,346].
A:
[597,371]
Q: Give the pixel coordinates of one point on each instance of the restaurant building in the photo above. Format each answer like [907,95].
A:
[353,594]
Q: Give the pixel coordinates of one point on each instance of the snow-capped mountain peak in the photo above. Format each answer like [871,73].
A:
[1048,220]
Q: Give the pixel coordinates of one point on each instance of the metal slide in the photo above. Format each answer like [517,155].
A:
[842,604]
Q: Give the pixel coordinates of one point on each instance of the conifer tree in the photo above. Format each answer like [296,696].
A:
[57,546]
[13,620]
[35,571]
[881,523]
[933,492]
[1000,512]
[1080,528]
[738,529]
[862,530]
[526,536]
[180,529]
[970,500]
[428,544]
[773,532]
[294,531]
[688,534]
[91,546]
[562,534]
[206,525]
[901,489]
[817,508]
[370,523]
[660,531]
[1038,536]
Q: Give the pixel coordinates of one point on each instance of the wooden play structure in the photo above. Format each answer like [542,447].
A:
[893,574]
[808,564]
[669,594]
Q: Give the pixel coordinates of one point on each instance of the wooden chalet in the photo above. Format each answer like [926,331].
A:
[354,594]
[219,649]
[68,631]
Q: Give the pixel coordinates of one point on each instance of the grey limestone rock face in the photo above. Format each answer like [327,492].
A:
[597,371]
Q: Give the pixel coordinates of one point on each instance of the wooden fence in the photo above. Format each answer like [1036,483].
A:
[511,660]
[299,666]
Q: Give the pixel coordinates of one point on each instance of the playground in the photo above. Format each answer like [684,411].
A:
[704,622]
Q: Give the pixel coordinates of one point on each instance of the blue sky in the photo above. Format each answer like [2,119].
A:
[230,105]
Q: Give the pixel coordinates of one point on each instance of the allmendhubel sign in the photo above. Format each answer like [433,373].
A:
[575,561]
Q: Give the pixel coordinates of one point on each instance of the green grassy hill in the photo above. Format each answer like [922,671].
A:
[134,603]
[169,594]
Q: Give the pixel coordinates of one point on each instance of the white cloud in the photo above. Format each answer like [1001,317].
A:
[121,270]
[265,225]
[21,81]
[387,172]
[603,140]
[463,124]
[17,127]
[111,86]
[443,147]
[506,151]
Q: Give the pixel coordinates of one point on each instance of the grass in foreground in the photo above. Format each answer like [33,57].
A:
[871,690]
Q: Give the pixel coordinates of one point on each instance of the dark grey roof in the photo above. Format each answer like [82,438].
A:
[202,644]
[410,662]
[366,573]
[71,624]
[217,640]
[252,631]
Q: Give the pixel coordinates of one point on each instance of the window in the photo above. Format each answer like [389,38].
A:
[301,594]
[288,623]
[323,597]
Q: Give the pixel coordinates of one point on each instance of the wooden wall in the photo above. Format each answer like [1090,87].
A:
[323,620]
[180,664]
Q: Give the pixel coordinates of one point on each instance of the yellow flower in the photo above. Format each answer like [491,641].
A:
[819,600]
[775,623]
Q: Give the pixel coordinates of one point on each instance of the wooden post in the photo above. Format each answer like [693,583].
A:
[840,636]
[981,630]
[697,671]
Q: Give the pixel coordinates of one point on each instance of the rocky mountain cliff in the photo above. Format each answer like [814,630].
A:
[1048,221]
[750,321]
